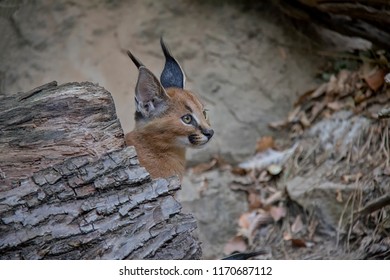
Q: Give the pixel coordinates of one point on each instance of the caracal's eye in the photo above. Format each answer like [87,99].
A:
[206,116]
[187,119]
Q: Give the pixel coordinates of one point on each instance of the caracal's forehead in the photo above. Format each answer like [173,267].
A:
[184,98]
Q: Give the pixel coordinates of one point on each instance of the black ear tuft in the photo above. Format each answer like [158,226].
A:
[135,60]
[172,75]
[151,100]
[150,97]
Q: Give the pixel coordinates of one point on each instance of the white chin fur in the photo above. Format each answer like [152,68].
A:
[203,141]
[185,142]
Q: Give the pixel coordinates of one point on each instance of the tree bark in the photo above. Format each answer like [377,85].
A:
[368,19]
[71,189]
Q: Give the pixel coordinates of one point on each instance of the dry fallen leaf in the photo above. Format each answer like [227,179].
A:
[319,91]
[203,186]
[264,177]
[296,130]
[332,85]
[265,143]
[254,200]
[277,212]
[373,75]
[247,181]
[335,106]
[249,222]
[239,171]
[293,115]
[358,228]
[376,80]
[287,236]
[316,111]
[386,171]
[203,167]
[349,103]
[275,197]
[347,178]
[339,196]
[304,120]
[297,226]
[246,219]
[235,244]
[238,187]
[262,218]
[278,124]
[304,97]
[312,228]
[360,97]
[298,242]
[343,82]
[243,221]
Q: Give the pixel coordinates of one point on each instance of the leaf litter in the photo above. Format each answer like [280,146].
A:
[347,90]
[275,221]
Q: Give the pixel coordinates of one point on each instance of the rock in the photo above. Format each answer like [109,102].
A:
[336,133]
[313,190]
[323,198]
[216,208]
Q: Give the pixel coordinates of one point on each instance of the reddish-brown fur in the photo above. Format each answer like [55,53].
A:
[161,141]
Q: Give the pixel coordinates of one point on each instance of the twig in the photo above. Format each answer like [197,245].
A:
[385,141]
[355,193]
[374,205]
[367,143]
[341,220]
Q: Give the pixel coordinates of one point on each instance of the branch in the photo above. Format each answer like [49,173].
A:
[374,205]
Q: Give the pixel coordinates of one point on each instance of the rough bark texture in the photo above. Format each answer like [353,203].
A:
[70,189]
[368,19]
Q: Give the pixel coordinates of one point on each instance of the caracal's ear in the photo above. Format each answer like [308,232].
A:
[150,96]
[172,75]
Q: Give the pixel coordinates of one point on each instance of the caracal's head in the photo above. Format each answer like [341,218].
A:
[171,113]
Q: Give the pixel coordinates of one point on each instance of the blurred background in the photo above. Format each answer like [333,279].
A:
[239,57]
[247,60]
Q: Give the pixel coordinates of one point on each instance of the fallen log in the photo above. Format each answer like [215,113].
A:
[71,189]
[368,19]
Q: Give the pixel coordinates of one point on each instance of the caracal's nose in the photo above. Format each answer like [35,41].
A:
[208,133]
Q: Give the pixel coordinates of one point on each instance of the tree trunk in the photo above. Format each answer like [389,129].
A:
[71,189]
[368,19]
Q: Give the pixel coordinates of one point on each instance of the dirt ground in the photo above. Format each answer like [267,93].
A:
[246,62]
